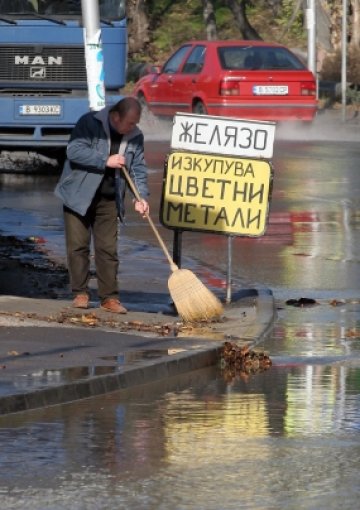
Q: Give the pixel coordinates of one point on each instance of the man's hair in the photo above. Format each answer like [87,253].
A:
[125,105]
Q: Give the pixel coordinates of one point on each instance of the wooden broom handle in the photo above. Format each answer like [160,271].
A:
[173,266]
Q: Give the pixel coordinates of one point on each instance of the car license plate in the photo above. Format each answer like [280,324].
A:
[270,90]
[40,109]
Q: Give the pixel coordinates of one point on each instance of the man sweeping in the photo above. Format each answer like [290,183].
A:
[92,189]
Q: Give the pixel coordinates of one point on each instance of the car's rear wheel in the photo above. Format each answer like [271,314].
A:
[199,108]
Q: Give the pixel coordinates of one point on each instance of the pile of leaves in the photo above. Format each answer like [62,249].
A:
[242,361]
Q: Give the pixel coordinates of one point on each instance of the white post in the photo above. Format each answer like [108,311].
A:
[343,59]
[229,269]
[93,54]
[311,27]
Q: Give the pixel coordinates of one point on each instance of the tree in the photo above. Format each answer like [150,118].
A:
[355,25]
[290,21]
[239,12]
[209,19]
[138,24]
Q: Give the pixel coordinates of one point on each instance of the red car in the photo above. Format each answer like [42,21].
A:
[242,79]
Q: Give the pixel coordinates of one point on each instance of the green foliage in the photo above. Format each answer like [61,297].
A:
[353,96]
[296,27]
[177,27]
[226,25]
[174,21]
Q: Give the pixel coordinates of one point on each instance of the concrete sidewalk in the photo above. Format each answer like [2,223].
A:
[51,353]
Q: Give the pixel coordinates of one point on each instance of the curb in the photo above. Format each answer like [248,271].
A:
[100,385]
[126,377]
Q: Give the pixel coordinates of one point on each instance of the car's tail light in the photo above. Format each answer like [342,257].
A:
[308,88]
[229,88]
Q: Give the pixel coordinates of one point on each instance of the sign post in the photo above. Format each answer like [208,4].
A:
[218,178]
[228,273]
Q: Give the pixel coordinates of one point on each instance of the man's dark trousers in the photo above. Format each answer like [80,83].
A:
[101,223]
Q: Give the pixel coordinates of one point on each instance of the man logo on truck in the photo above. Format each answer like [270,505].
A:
[37,72]
[38,60]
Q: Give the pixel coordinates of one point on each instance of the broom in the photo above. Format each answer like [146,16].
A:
[193,301]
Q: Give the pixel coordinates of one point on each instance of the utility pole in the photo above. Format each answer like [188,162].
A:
[343,59]
[311,27]
[93,53]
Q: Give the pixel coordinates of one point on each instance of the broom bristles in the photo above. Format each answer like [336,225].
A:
[193,301]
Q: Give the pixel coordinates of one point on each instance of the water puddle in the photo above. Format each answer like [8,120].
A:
[199,441]
[287,437]
[51,377]
[131,357]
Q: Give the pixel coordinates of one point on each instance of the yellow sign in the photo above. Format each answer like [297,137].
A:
[216,194]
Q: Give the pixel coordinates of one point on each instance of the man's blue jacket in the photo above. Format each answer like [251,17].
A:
[87,153]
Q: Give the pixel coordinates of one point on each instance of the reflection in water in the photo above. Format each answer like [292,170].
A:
[313,233]
[311,400]
[286,438]
[46,378]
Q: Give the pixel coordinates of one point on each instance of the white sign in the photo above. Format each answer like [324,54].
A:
[223,135]
[95,70]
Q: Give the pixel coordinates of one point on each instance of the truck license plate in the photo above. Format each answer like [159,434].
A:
[40,109]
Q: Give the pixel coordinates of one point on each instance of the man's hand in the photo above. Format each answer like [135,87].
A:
[142,207]
[115,161]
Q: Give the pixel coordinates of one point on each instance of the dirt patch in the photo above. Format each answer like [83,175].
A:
[26,270]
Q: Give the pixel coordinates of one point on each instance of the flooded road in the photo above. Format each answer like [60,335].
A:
[287,438]
[284,439]
[311,243]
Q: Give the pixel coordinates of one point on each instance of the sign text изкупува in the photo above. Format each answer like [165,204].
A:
[212,181]
[216,194]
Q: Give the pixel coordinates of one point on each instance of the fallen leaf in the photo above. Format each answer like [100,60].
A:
[89,319]
[336,302]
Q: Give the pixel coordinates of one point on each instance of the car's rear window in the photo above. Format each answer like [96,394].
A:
[253,58]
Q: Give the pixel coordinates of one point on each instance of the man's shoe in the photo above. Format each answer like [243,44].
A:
[113,305]
[81,301]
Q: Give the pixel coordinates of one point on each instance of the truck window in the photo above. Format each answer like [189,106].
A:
[16,6]
[109,9]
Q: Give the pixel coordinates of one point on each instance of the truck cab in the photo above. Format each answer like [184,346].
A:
[43,80]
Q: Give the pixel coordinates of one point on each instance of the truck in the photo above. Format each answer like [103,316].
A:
[43,79]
